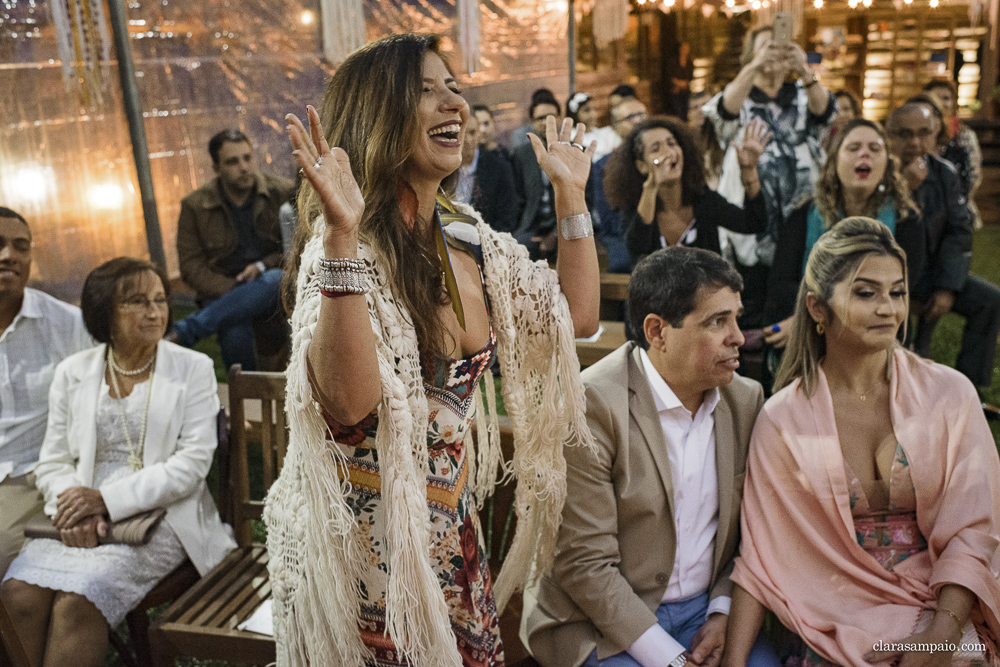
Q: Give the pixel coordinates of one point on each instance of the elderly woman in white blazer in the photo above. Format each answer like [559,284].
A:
[131,428]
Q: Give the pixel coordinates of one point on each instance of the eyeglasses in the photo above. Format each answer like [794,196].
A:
[142,304]
[906,135]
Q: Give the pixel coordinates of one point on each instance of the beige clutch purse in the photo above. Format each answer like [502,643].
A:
[134,530]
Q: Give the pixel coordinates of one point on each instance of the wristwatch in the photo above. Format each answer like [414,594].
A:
[811,82]
[679,661]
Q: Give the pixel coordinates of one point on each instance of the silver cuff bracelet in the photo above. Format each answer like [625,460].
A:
[343,276]
[578,226]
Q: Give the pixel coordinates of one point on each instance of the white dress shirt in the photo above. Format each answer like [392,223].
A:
[691,448]
[43,333]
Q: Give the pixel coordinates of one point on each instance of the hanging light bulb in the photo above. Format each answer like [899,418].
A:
[852,4]
[732,3]
[818,4]
[667,4]
[765,3]
[934,3]
[866,3]
[755,4]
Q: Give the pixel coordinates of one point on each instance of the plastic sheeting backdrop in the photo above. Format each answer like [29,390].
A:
[201,65]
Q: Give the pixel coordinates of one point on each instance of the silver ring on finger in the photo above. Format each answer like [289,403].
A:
[580,146]
[319,162]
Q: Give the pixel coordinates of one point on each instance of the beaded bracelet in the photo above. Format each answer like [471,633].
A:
[341,276]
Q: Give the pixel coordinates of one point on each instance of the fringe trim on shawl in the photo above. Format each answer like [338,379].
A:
[315,564]
[489,453]
[541,428]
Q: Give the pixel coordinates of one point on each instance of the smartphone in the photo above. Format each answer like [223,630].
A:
[784,23]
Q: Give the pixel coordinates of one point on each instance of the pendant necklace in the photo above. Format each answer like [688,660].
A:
[135,453]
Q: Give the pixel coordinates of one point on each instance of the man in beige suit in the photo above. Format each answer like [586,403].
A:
[651,523]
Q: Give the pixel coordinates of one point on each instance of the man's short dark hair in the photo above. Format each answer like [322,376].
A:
[482,107]
[540,97]
[103,290]
[11,213]
[229,134]
[624,90]
[667,283]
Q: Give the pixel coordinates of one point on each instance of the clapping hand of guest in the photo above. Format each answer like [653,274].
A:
[563,157]
[76,504]
[84,534]
[329,172]
[755,139]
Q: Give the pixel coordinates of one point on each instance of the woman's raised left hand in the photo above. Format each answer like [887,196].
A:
[563,157]
[77,503]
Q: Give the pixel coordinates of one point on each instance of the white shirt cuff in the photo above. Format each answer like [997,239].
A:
[655,648]
[719,605]
[262,266]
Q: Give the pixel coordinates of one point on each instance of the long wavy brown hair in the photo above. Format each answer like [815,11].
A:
[830,191]
[622,179]
[370,109]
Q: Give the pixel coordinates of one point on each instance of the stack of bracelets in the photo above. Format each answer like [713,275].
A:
[338,277]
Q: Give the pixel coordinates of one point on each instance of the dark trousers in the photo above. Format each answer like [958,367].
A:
[979,303]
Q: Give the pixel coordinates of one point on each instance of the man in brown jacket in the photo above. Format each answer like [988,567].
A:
[651,523]
[229,247]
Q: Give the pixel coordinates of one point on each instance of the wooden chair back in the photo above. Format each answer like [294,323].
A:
[257,399]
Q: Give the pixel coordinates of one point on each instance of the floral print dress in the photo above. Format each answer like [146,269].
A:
[889,535]
[457,552]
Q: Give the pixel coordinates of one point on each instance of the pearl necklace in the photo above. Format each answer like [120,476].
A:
[121,371]
[135,454]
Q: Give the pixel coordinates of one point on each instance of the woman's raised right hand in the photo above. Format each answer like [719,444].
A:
[330,174]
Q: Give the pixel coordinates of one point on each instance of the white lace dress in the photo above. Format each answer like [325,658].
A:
[115,577]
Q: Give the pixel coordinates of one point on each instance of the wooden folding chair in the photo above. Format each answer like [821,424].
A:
[203,622]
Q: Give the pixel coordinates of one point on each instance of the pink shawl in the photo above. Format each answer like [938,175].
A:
[799,555]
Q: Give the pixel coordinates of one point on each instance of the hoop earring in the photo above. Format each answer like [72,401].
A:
[820,329]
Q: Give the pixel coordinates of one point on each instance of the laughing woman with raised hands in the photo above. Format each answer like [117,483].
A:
[402,302]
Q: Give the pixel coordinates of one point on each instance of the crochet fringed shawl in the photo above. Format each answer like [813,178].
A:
[316,562]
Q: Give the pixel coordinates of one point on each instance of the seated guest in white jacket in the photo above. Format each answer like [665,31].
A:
[131,427]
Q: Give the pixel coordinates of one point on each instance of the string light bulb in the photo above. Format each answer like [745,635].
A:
[755,4]
[934,3]
[765,4]
[818,4]
[866,3]
[732,3]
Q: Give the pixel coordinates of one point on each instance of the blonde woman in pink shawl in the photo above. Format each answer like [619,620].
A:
[870,512]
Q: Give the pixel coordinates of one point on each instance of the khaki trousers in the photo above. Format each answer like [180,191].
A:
[20,501]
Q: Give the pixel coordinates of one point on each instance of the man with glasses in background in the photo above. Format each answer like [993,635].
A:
[938,247]
[37,331]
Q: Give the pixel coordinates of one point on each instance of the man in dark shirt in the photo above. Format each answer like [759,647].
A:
[939,247]
[537,220]
[229,247]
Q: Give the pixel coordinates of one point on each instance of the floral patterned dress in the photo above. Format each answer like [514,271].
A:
[890,535]
[457,552]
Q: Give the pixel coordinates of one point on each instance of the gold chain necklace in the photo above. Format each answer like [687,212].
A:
[135,454]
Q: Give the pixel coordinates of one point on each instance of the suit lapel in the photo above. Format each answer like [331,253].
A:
[642,408]
[725,445]
[162,404]
[83,396]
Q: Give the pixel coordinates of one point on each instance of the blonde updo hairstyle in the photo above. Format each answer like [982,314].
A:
[836,257]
